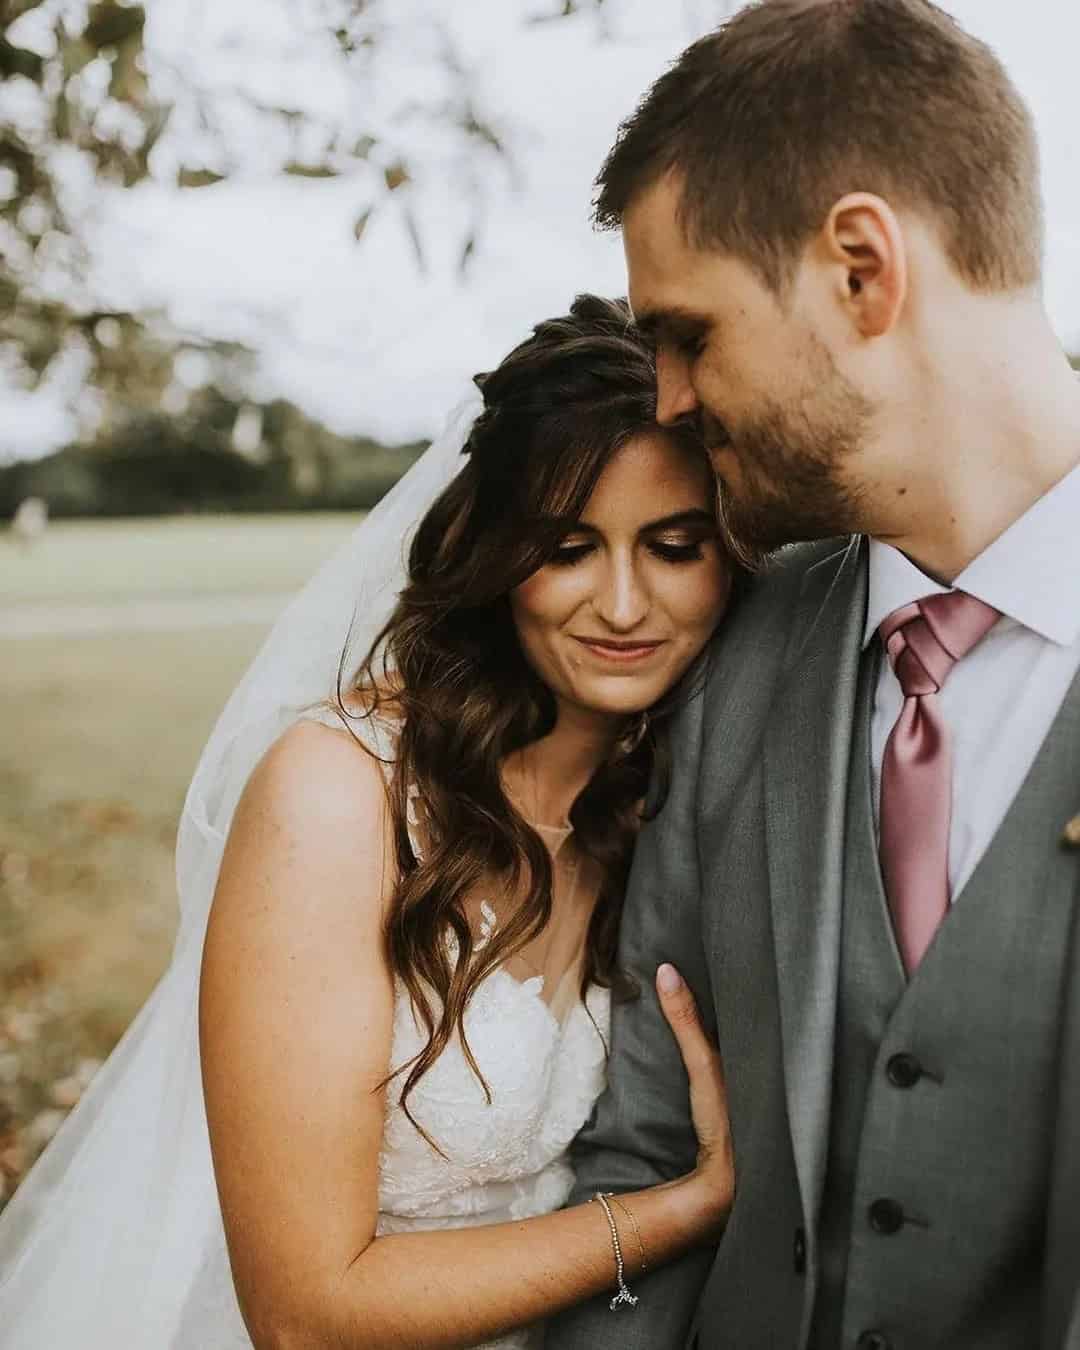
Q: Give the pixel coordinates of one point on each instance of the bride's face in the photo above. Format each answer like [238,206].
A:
[637,586]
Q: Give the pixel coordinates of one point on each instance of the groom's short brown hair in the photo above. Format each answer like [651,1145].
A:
[793,103]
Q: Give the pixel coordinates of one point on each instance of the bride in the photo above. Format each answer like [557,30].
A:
[342,1118]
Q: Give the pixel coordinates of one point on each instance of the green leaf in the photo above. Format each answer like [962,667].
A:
[18,61]
[17,156]
[396,175]
[155,119]
[361,223]
[197,178]
[128,83]
[112,24]
[299,170]
[75,56]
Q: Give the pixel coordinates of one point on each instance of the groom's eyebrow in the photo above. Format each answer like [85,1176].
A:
[668,321]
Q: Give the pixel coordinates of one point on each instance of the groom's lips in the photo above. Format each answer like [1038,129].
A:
[622,653]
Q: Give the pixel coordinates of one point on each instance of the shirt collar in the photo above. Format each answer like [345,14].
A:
[1029,573]
[895,581]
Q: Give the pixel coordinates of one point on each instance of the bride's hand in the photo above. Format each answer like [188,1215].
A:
[714,1177]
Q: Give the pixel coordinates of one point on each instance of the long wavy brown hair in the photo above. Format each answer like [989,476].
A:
[450,671]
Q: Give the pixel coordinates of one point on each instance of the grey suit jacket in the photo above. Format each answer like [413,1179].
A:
[738,882]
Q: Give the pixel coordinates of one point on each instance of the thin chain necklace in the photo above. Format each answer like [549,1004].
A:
[540,966]
[531,780]
[564,831]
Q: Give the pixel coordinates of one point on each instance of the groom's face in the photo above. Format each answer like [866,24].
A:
[782,424]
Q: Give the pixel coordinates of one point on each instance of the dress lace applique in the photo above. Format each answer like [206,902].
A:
[412,819]
[488,923]
[506,1160]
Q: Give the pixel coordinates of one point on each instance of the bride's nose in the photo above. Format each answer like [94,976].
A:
[621,599]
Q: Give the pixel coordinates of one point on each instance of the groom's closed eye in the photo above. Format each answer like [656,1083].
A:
[690,342]
[675,330]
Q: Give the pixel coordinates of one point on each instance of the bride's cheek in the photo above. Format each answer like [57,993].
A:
[696,605]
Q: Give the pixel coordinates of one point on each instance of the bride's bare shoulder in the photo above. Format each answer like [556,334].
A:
[316,777]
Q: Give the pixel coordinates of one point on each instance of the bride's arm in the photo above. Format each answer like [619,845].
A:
[296,1012]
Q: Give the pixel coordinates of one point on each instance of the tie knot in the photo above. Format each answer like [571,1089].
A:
[924,640]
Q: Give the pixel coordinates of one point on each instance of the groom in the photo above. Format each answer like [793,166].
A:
[832,225]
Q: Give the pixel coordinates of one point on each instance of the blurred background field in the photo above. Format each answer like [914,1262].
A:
[195,555]
[101,731]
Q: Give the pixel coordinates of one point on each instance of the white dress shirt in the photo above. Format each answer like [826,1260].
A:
[999,702]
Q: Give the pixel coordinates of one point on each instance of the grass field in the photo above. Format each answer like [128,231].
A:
[99,560]
[98,737]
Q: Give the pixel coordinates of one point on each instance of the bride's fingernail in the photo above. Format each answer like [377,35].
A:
[668,979]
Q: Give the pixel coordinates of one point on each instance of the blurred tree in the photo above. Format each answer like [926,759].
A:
[83,106]
[195,460]
[75,98]
[90,103]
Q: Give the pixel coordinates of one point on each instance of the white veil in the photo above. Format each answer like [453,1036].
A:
[107,1242]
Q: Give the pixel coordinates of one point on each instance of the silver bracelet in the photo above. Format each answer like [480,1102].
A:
[624,1295]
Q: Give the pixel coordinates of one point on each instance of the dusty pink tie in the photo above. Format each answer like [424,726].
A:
[924,641]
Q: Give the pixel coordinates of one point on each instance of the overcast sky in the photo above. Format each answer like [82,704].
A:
[355,333]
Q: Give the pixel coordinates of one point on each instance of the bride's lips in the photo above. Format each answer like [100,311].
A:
[621,653]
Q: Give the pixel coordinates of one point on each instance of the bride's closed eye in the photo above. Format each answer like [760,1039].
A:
[566,555]
[681,551]
[667,550]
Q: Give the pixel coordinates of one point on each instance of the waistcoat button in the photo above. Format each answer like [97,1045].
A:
[903,1071]
[873,1340]
[800,1251]
[886,1217]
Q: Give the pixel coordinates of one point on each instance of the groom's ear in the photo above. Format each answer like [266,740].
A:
[863,241]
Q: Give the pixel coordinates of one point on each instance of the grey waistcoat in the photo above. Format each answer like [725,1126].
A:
[945,1088]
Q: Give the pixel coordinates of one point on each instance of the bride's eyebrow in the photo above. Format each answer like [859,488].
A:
[693,518]
[681,520]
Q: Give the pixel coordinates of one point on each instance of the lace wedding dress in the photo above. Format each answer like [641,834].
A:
[542,1053]
[506,1161]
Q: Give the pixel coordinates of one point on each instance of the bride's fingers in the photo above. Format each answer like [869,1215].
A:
[705,1071]
[680,1008]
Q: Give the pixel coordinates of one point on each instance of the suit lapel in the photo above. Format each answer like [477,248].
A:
[806,767]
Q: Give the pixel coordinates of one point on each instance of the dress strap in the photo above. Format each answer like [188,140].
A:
[377,732]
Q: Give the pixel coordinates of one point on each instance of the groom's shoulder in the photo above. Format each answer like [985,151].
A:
[746,657]
[751,642]
[776,590]
[792,563]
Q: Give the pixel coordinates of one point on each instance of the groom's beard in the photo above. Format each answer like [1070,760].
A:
[788,484]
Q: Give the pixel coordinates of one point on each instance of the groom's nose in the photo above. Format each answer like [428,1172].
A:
[675,397]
